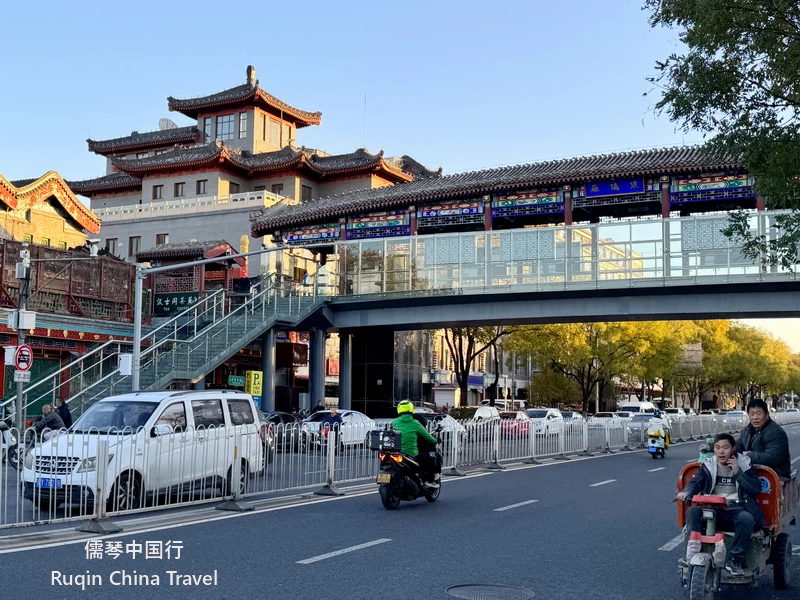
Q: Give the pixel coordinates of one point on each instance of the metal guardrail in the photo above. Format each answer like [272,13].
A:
[176,466]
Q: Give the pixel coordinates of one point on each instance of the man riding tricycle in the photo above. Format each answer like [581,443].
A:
[736,514]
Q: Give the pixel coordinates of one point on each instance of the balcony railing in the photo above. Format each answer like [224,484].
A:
[189,206]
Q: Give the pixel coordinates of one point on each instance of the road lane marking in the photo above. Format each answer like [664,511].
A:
[692,460]
[314,559]
[654,470]
[796,459]
[796,550]
[518,504]
[673,543]
[599,483]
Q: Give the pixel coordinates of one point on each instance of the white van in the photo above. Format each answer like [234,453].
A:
[158,443]
[638,407]
[506,404]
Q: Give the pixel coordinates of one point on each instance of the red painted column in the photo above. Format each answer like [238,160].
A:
[567,205]
[412,219]
[487,214]
[665,208]
[761,203]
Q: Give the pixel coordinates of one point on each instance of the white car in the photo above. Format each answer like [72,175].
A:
[354,431]
[608,418]
[625,415]
[546,421]
[676,414]
[158,443]
[738,418]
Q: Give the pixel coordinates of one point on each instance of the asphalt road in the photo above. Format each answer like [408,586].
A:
[600,528]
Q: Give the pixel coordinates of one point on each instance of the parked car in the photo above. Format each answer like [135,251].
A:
[546,421]
[515,423]
[158,443]
[284,427]
[607,418]
[676,414]
[793,410]
[354,431]
[625,415]
[736,417]
[572,417]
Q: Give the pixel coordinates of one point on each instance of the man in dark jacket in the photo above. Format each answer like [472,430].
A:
[63,411]
[49,422]
[764,441]
[734,477]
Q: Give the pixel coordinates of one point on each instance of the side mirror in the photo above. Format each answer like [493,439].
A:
[161,429]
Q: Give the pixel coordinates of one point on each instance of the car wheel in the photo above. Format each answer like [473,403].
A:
[126,494]
[243,476]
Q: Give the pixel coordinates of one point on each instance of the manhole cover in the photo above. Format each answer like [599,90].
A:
[489,592]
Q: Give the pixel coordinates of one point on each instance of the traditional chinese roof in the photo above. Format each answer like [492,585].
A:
[244,95]
[148,139]
[556,172]
[254,164]
[28,193]
[113,182]
[189,250]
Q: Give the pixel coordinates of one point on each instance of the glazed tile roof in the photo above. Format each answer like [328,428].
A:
[288,157]
[244,94]
[555,172]
[113,181]
[148,139]
[180,250]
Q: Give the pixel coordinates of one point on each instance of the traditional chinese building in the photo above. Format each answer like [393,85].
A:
[238,155]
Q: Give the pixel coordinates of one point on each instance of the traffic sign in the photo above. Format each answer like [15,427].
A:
[23,358]
[22,376]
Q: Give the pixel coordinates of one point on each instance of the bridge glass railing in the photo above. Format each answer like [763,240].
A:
[634,253]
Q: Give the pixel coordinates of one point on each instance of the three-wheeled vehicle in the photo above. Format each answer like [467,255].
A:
[705,574]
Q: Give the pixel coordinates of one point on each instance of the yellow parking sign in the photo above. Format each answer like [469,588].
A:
[254,381]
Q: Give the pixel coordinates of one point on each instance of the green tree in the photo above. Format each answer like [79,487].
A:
[714,371]
[551,388]
[738,80]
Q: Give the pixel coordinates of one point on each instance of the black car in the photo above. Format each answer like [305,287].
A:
[285,427]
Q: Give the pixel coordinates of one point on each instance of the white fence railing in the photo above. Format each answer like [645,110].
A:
[79,475]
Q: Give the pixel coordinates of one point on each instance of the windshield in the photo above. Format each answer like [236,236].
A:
[634,409]
[537,414]
[642,418]
[625,415]
[604,415]
[672,411]
[108,416]
[568,414]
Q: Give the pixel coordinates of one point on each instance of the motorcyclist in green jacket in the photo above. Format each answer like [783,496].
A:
[411,429]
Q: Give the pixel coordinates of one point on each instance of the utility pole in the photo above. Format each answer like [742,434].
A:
[24,269]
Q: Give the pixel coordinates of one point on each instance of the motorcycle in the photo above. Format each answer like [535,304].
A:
[400,478]
[9,451]
[657,441]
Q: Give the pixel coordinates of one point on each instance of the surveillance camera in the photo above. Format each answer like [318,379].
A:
[93,247]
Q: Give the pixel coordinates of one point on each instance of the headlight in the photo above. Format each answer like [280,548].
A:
[89,465]
[28,461]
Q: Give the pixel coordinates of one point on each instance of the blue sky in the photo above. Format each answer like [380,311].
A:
[461,85]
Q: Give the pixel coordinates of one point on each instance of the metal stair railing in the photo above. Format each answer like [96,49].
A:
[101,364]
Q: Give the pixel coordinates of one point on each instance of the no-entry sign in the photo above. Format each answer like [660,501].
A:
[23,358]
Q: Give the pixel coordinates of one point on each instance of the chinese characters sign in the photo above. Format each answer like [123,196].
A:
[174,302]
[312,234]
[615,187]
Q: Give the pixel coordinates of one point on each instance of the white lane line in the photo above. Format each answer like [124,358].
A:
[314,559]
[654,470]
[518,504]
[796,550]
[691,461]
[673,543]
[599,483]
[796,459]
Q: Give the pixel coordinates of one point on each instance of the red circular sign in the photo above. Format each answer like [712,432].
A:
[23,358]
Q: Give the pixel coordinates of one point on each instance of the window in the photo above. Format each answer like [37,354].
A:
[202,186]
[142,154]
[274,132]
[162,238]
[240,412]
[207,133]
[45,241]
[287,134]
[242,125]
[134,243]
[158,192]
[277,188]
[62,245]
[225,127]
[28,239]
[208,413]
[179,189]
[306,195]
[259,188]
[234,189]
[111,245]
[264,127]
[174,416]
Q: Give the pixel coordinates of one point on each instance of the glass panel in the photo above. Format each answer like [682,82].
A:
[398,265]
[371,270]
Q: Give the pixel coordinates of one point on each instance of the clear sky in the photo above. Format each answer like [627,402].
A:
[462,85]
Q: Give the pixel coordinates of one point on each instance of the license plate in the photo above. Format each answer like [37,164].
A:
[384,477]
[652,450]
[48,483]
